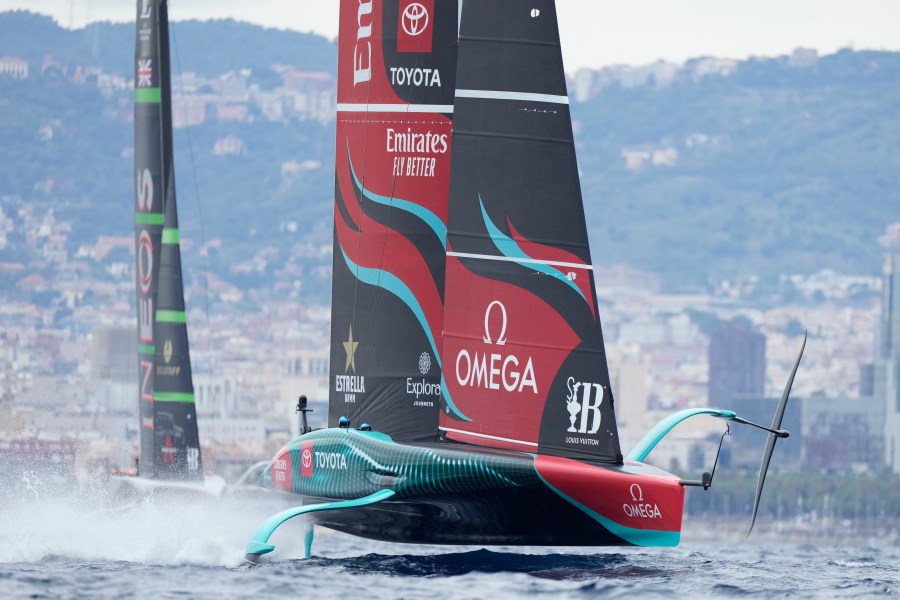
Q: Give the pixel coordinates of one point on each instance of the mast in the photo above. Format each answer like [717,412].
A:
[396,74]
[525,366]
[169,438]
[148,215]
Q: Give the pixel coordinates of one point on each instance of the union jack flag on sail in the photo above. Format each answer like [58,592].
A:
[145,72]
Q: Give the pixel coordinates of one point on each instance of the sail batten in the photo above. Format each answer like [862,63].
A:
[552,263]
[395,108]
[508,95]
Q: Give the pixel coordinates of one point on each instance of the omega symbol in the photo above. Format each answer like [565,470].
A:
[501,339]
[637,494]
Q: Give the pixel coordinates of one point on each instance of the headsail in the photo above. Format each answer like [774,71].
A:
[525,366]
[396,73]
[169,440]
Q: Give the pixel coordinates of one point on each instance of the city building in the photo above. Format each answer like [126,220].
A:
[887,360]
[747,443]
[737,363]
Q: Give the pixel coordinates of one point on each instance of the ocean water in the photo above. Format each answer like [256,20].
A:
[69,546]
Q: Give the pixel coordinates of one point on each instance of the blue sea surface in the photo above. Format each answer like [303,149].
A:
[79,548]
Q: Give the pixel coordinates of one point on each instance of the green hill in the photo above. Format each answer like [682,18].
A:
[772,169]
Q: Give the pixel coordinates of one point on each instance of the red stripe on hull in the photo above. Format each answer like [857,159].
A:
[652,502]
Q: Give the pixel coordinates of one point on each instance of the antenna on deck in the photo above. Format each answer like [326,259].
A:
[301,408]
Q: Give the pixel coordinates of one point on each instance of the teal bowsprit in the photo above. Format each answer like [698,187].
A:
[659,431]
[259,543]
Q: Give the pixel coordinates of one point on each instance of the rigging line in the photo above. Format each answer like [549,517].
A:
[380,270]
[199,211]
[362,195]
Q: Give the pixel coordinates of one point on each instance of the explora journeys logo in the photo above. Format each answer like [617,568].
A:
[492,370]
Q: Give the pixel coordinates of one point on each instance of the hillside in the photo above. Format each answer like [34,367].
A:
[769,168]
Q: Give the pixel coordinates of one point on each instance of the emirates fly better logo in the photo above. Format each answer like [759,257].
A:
[415,26]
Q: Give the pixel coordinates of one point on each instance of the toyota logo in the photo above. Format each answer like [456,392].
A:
[306,457]
[415,19]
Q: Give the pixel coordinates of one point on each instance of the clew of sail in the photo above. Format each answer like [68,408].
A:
[396,73]
[524,361]
[170,447]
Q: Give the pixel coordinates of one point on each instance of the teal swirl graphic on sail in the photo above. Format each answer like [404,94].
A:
[390,282]
[429,218]
[510,249]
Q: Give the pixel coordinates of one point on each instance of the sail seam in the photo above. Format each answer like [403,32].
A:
[149,218]
[395,108]
[490,437]
[151,95]
[173,397]
[511,136]
[170,235]
[505,95]
[170,316]
[493,40]
[554,263]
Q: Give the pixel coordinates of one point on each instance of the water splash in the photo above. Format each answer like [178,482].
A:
[40,520]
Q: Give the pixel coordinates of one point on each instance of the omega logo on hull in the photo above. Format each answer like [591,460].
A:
[638,507]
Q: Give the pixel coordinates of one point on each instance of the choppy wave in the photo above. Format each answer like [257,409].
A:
[62,543]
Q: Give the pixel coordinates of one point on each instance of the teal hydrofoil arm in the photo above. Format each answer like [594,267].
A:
[659,431]
[259,543]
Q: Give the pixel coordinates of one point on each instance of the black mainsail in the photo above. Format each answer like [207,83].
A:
[170,445]
[526,368]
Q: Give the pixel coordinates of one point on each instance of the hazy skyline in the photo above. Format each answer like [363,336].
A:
[594,34]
